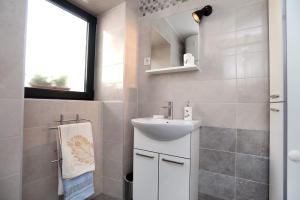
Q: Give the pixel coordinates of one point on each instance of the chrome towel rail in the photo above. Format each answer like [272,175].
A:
[61,121]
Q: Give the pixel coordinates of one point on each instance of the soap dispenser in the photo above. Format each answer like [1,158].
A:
[188,112]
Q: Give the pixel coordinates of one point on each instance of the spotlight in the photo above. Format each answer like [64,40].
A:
[206,11]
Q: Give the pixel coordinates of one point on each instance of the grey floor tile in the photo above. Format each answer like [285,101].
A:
[104,197]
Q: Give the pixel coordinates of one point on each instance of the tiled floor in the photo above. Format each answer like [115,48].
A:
[104,197]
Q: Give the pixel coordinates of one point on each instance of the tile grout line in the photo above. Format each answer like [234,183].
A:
[248,180]
[235,158]
[234,177]
[9,176]
[231,152]
[237,99]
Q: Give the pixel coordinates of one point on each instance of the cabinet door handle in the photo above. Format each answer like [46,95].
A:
[274,110]
[172,161]
[143,155]
[57,160]
[274,96]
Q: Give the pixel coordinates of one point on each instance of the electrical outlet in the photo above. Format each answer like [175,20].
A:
[147,61]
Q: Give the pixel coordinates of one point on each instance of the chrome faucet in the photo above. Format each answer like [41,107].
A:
[170,109]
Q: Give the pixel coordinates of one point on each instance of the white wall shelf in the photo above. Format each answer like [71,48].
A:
[167,70]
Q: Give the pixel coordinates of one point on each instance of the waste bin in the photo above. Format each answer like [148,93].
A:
[128,179]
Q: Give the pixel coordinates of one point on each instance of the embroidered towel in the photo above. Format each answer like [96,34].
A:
[77,149]
[79,188]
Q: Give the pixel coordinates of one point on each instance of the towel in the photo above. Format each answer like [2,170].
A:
[77,149]
[60,189]
[79,188]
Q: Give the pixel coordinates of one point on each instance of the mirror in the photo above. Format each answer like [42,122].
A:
[174,41]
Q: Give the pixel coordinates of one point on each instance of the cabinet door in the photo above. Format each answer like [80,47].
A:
[276,166]
[145,175]
[276,50]
[174,176]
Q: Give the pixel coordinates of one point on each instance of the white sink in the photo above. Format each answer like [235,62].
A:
[165,129]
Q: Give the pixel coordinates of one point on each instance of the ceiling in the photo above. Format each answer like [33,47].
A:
[96,7]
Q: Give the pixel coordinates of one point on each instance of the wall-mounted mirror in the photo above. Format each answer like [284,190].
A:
[174,41]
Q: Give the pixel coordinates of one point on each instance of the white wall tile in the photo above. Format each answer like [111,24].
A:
[10,157]
[253,116]
[252,15]
[9,187]
[11,117]
[253,90]
[113,18]
[253,65]
[12,55]
[112,187]
[40,143]
[113,169]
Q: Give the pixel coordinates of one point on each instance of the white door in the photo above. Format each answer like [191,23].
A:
[293,99]
[145,175]
[174,176]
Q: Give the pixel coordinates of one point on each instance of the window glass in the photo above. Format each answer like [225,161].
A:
[56,48]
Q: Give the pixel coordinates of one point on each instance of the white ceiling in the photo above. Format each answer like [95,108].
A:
[96,7]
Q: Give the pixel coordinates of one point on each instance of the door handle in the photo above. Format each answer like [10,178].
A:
[172,161]
[274,110]
[143,155]
[294,156]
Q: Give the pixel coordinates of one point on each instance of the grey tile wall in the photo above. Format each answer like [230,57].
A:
[228,172]
[253,142]
[251,190]
[217,161]
[39,145]
[252,168]
[223,139]
[214,185]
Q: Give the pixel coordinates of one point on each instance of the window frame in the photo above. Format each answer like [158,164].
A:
[88,94]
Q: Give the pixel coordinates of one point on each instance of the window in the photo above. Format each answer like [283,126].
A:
[60,51]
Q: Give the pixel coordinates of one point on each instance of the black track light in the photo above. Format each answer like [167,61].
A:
[206,11]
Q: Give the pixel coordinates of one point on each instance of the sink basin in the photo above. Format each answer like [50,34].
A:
[165,129]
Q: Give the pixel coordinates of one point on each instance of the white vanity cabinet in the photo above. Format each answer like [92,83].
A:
[165,170]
